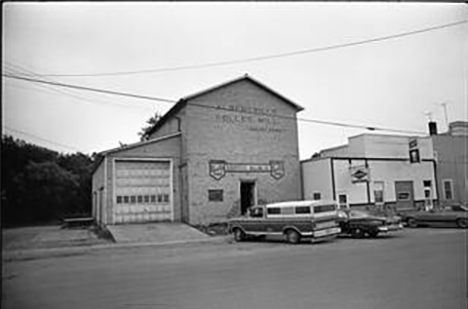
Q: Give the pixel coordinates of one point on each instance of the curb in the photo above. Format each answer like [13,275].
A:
[32,254]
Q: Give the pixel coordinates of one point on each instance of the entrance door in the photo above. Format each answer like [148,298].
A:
[247,195]
[404,194]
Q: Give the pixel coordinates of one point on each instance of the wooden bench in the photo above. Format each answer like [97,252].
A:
[77,222]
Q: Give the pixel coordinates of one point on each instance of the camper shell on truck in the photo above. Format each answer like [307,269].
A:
[314,220]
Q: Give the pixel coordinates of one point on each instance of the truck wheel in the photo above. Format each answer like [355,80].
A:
[239,235]
[412,222]
[462,223]
[357,233]
[293,237]
[373,233]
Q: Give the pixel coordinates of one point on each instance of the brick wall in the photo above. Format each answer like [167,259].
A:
[212,134]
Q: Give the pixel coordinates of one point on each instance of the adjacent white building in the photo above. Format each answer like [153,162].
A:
[374,169]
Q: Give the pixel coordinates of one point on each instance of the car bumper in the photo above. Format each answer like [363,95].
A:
[334,231]
[390,228]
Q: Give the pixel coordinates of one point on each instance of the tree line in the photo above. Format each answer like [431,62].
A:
[39,185]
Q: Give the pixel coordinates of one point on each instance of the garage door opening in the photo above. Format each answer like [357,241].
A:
[142,191]
[247,198]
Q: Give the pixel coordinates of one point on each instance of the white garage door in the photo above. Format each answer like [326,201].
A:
[143,191]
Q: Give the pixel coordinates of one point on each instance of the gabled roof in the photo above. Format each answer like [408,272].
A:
[183,101]
[247,78]
[138,144]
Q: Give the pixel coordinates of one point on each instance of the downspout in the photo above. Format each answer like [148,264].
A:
[333,178]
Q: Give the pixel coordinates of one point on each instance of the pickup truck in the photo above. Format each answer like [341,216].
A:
[315,220]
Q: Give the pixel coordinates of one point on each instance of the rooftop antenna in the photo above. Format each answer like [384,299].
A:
[445,114]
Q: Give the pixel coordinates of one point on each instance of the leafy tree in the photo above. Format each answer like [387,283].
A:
[40,185]
[50,191]
[151,122]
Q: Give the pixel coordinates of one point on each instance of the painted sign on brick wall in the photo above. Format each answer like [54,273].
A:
[219,168]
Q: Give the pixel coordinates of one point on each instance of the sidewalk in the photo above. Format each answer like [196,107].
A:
[53,241]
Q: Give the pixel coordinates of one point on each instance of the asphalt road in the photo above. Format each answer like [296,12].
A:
[423,268]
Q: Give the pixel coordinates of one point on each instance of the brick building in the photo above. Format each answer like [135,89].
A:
[451,150]
[213,154]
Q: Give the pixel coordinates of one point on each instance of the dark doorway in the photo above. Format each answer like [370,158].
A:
[247,198]
[404,194]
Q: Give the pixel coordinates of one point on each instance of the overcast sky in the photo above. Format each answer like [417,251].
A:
[390,84]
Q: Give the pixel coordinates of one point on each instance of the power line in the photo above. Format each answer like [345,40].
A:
[42,139]
[21,70]
[137,96]
[324,122]
[331,123]
[50,89]
[267,57]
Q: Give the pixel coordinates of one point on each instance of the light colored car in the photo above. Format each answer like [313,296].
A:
[446,215]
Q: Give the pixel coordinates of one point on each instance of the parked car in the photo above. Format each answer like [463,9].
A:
[359,223]
[316,220]
[453,215]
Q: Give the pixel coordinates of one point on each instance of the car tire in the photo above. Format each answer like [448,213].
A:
[293,237]
[357,233]
[412,222]
[462,223]
[373,233]
[239,235]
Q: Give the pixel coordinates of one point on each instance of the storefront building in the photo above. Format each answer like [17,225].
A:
[451,149]
[211,156]
[374,170]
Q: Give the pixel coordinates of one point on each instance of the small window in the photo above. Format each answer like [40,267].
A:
[324,208]
[132,199]
[378,196]
[287,211]
[153,198]
[448,189]
[119,199]
[427,183]
[403,196]
[256,212]
[379,192]
[160,198]
[303,210]
[140,199]
[125,199]
[317,196]
[147,198]
[166,198]
[343,200]
[215,195]
[414,156]
[274,211]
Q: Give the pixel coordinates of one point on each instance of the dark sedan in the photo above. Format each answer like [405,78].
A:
[447,215]
[359,223]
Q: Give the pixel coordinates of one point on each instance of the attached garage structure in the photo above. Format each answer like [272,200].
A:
[136,183]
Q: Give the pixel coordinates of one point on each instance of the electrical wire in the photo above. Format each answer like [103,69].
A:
[40,138]
[137,96]
[15,69]
[331,123]
[267,57]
